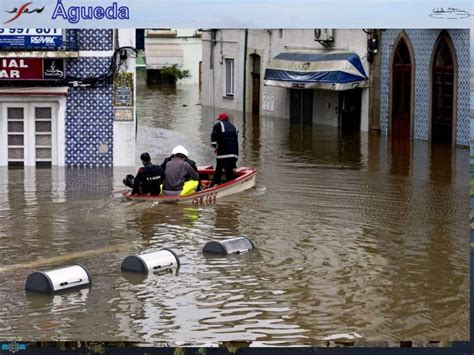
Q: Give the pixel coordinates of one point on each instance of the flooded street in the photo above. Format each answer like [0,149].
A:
[353,234]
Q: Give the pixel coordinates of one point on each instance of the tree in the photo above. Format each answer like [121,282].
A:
[171,74]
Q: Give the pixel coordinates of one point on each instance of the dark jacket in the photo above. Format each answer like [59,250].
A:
[148,180]
[178,171]
[224,138]
[189,161]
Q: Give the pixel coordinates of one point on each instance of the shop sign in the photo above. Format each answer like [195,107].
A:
[31,69]
[30,38]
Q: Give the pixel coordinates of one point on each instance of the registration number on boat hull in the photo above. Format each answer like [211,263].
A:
[205,199]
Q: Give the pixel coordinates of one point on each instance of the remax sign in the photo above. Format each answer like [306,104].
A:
[75,14]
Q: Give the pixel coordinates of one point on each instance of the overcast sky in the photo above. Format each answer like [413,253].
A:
[255,13]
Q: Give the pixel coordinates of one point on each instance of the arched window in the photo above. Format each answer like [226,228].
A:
[402,55]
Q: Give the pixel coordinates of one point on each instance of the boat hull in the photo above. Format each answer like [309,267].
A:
[244,181]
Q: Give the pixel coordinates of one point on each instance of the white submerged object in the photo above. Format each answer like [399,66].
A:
[237,245]
[59,279]
[156,261]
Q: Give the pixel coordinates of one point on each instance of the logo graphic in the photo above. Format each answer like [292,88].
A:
[13,347]
[52,71]
[23,9]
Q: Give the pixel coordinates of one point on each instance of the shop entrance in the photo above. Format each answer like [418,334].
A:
[301,106]
[27,132]
[350,108]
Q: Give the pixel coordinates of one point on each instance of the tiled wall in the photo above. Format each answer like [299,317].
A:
[95,40]
[90,39]
[89,116]
[423,42]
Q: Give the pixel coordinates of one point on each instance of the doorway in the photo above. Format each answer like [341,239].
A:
[401,91]
[301,106]
[350,102]
[255,84]
[442,93]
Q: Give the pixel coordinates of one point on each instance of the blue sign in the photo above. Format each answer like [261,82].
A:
[30,38]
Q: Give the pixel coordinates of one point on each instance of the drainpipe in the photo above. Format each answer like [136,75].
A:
[211,67]
[374,80]
[245,71]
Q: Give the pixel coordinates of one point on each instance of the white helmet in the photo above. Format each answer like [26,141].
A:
[179,149]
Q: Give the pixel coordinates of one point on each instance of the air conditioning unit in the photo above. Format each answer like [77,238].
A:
[323,35]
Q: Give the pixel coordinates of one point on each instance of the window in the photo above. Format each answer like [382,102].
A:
[229,78]
[43,130]
[16,139]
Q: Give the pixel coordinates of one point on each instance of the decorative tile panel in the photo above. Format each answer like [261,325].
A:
[423,42]
[461,40]
[88,66]
[89,117]
[92,39]
[89,127]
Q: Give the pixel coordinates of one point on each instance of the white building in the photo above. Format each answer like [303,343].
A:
[62,103]
[234,72]
[168,47]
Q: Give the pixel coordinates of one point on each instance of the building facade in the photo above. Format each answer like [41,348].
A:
[168,47]
[236,63]
[424,85]
[57,100]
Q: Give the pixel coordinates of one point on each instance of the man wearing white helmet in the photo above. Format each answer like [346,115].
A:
[178,172]
[189,161]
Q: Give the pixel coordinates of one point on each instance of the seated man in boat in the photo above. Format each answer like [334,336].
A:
[189,161]
[180,178]
[226,146]
[148,179]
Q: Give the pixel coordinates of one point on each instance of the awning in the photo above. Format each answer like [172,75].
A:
[159,55]
[316,70]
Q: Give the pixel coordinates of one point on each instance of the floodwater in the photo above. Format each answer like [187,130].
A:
[355,237]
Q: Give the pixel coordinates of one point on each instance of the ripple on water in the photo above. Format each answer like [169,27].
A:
[350,238]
